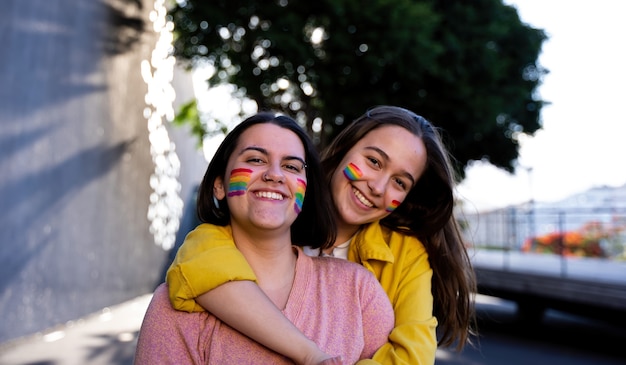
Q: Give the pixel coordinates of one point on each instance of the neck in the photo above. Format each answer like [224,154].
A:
[272,259]
[344,233]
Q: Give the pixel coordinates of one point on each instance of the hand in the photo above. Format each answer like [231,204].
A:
[337,360]
[312,355]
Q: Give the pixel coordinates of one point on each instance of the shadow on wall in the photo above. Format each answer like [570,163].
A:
[62,51]
[26,195]
[126,28]
[74,181]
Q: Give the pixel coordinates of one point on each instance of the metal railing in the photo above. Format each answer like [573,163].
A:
[576,232]
[572,259]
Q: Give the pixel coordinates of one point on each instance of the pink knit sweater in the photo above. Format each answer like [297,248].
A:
[336,303]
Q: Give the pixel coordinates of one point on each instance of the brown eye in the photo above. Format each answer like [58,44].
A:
[255,160]
[294,167]
[374,161]
[401,183]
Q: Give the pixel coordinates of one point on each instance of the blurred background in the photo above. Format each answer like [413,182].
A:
[110,109]
[92,176]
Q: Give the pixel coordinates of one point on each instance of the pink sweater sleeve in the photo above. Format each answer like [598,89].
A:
[168,336]
[343,309]
[338,304]
[377,316]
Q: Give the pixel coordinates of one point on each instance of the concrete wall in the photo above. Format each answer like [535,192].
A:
[75,161]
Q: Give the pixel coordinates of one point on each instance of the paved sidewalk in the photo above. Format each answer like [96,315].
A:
[107,337]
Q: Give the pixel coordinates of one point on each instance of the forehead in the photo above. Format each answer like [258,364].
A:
[400,146]
[273,138]
[388,135]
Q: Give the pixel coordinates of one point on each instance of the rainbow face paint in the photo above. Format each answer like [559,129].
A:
[238,183]
[394,204]
[300,190]
[352,172]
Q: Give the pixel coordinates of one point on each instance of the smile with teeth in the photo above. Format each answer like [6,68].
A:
[269,195]
[361,198]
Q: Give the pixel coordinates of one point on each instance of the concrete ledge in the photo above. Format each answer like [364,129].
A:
[534,293]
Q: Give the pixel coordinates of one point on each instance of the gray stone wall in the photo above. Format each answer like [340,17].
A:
[75,161]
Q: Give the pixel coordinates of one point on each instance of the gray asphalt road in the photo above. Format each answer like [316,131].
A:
[109,337]
[103,338]
[560,339]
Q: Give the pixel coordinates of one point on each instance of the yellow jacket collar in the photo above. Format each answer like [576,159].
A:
[371,243]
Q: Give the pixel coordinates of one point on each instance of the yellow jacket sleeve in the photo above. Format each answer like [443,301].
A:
[400,263]
[207,259]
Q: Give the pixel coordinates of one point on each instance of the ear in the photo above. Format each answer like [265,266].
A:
[218,188]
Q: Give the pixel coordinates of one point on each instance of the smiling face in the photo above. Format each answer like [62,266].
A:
[376,175]
[265,179]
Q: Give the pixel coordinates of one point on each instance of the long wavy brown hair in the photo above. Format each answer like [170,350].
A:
[426,213]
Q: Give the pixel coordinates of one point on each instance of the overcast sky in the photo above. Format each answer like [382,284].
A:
[583,140]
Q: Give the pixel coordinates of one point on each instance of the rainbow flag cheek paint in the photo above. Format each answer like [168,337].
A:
[300,190]
[238,183]
[352,172]
[394,204]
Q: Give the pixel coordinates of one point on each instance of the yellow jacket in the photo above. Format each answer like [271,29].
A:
[209,258]
[400,263]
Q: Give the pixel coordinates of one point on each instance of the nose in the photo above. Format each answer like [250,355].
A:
[274,173]
[377,186]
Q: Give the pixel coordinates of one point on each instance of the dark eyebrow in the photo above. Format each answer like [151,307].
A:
[385,157]
[264,151]
[255,148]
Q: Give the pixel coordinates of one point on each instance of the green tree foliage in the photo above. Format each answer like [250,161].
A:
[469,67]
